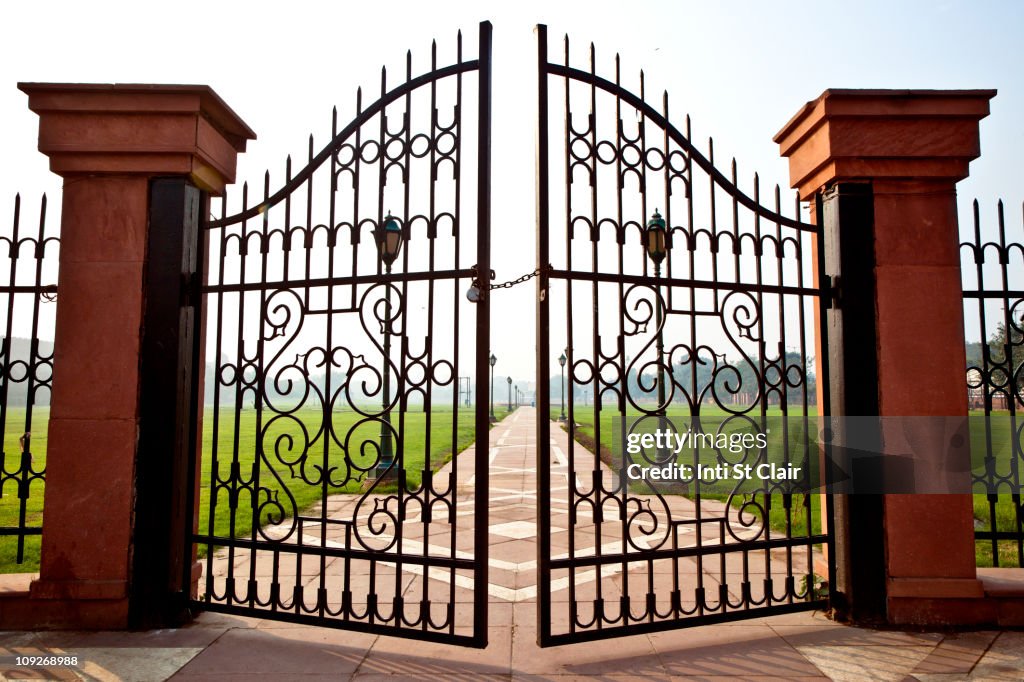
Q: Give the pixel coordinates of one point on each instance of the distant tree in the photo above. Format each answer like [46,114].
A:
[998,342]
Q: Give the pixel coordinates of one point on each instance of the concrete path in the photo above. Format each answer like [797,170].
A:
[800,646]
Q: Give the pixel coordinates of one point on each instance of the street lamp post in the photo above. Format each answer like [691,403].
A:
[561,361]
[656,244]
[389,244]
[509,393]
[493,360]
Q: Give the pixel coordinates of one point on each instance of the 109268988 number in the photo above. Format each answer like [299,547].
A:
[49,660]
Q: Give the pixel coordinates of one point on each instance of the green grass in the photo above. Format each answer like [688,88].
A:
[1004,512]
[415,431]
[780,519]
[297,486]
[9,502]
[412,426]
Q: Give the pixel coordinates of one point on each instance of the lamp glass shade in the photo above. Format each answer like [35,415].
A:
[389,240]
[494,360]
[655,238]
[561,360]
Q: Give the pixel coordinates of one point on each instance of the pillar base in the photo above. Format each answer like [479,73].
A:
[27,603]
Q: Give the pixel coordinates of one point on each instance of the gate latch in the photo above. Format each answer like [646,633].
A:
[475,293]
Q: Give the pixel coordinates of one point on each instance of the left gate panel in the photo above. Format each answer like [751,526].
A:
[338,457]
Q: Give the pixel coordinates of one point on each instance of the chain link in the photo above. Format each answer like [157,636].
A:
[512,283]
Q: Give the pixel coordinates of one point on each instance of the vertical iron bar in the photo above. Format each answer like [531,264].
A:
[483,335]
[457,229]
[543,349]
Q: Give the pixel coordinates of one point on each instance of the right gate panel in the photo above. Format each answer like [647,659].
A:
[678,375]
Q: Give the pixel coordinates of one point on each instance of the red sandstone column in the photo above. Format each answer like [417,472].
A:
[909,148]
[107,142]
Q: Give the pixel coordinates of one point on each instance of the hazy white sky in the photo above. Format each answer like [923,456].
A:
[741,69]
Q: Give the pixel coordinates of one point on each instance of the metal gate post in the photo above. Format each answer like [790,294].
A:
[483,339]
[98,568]
[846,216]
[912,147]
[169,418]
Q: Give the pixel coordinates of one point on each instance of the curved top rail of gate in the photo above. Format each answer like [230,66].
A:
[647,113]
[363,116]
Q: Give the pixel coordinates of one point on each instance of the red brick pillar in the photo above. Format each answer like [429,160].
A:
[113,145]
[885,163]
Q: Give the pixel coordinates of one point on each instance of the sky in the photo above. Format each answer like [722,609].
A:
[740,69]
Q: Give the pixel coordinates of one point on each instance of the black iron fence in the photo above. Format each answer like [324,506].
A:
[28,275]
[993,283]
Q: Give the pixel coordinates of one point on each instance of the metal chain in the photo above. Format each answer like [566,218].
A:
[512,283]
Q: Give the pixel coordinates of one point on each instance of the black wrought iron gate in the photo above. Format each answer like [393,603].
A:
[679,311]
[336,338]
[334,351]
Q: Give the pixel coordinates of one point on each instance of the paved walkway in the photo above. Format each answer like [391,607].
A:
[800,646]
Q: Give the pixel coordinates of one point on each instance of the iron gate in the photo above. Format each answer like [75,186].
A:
[667,308]
[334,308]
[323,496]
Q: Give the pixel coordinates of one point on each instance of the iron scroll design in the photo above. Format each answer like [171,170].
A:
[993,294]
[333,409]
[26,378]
[712,326]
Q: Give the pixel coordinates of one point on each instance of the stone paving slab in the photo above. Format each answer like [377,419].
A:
[797,646]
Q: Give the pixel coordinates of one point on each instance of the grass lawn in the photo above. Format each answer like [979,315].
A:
[298,486]
[1004,508]
[9,503]
[413,429]
[1000,507]
[415,434]
[781,518]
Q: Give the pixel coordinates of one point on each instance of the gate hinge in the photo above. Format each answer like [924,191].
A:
[833,291]
[190,293]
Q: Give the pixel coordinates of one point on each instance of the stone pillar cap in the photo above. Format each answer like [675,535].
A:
[92,128]
[892,134]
